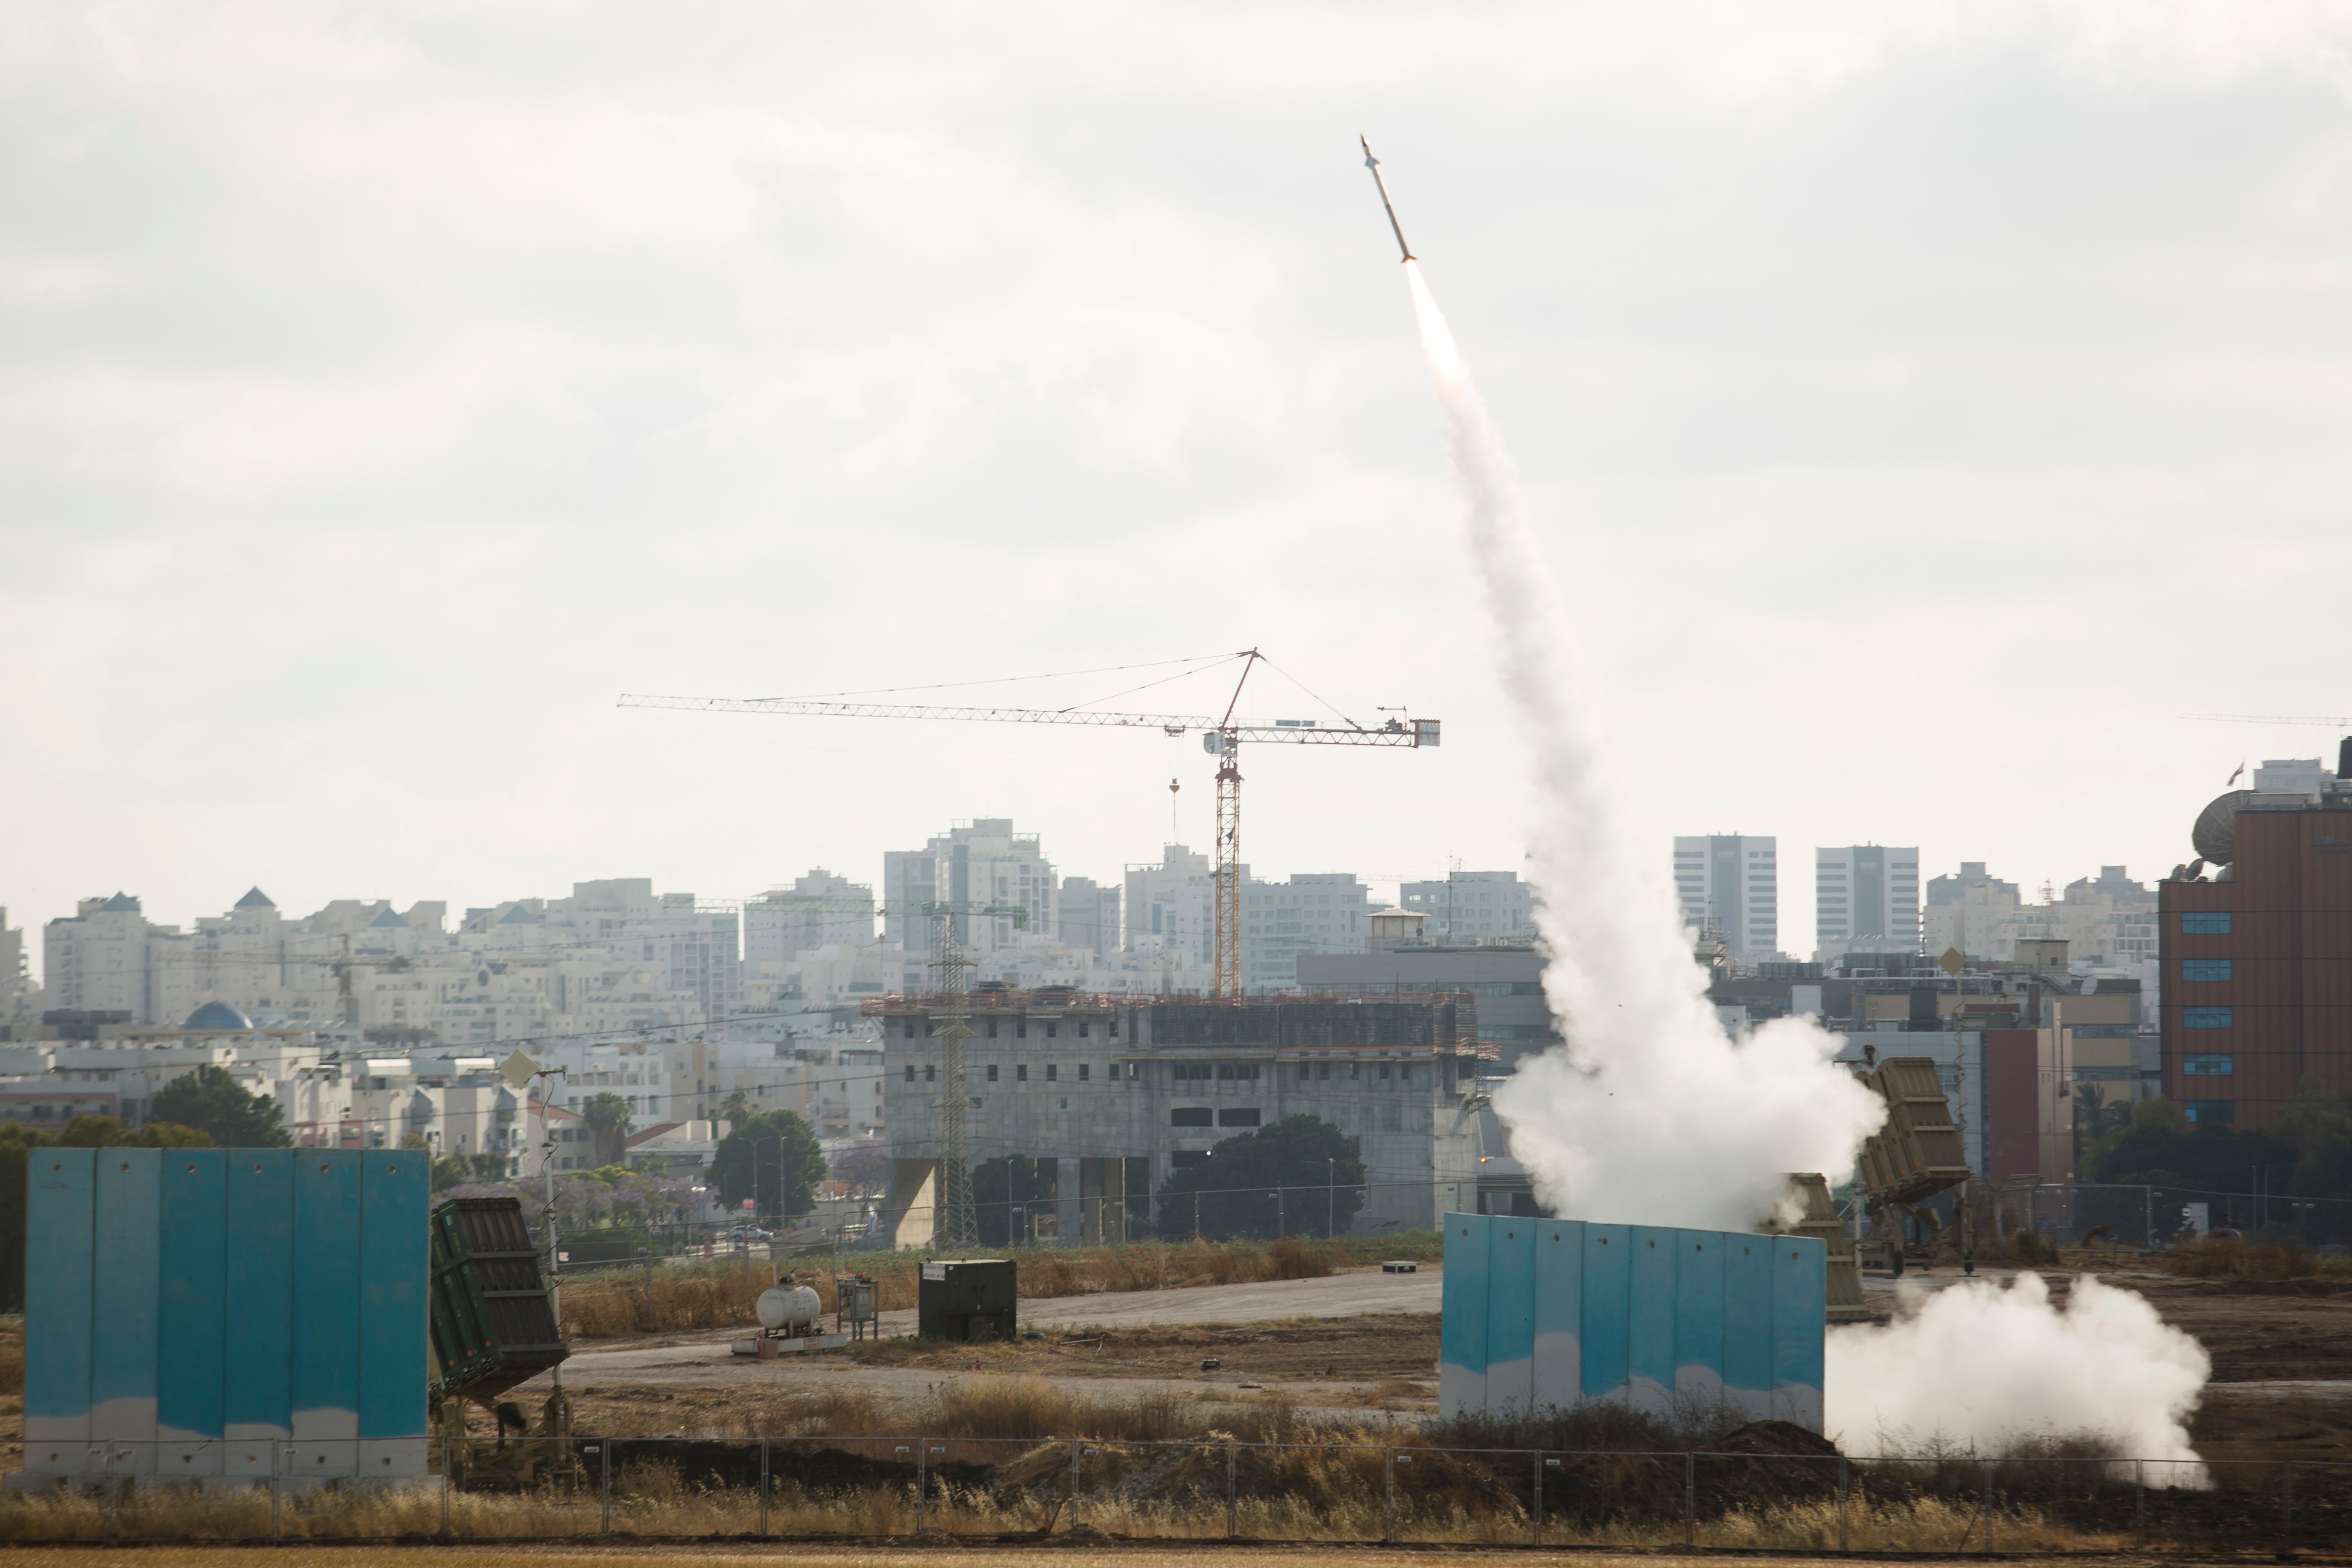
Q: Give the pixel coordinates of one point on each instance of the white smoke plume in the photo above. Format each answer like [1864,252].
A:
[1653,1115]
[1978,1365]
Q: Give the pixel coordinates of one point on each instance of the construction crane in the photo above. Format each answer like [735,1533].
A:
[1221,737]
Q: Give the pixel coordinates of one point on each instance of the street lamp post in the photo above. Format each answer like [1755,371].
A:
[1330,1198]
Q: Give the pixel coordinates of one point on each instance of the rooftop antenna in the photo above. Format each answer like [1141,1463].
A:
[1174,785]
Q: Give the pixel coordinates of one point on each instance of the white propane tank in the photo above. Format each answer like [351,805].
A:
[789,1309]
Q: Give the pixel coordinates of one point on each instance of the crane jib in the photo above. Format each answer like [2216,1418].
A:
[1222,738]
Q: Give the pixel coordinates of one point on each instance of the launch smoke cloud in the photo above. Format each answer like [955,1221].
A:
[1982,1367]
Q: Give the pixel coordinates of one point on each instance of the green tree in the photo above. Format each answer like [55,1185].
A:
[211,1100]
[607,1117]
[737,1109]
[1315,1166]
[17,1142]
[488,1165]
[447,1174]
[779,1147]
[997,1185]
[106,1132]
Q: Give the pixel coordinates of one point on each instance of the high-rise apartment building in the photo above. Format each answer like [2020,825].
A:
[16,985]
[819,909]
[1089,916]
[1731,883]
[998,882]
[910,885]
[1865,900]
[1170,907]
[1474,906]
[1323,911]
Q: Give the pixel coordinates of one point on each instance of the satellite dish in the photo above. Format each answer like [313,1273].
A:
[2215,837]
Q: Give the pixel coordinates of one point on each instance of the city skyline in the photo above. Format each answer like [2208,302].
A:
[345,597]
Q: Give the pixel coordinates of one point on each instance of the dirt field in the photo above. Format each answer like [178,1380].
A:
[1067,1553]
[2282,1351]
[2258,1331]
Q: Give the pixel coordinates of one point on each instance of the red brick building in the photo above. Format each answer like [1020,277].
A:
[2257,988]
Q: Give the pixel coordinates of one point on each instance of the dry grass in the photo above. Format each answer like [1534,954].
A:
[12,1358]
[1297,1495]
[1024,1409]
[2228,1257]
[719,1294]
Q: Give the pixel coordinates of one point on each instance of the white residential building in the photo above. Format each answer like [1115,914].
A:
[101,959]
[689,948]
[1475,905]
[819,909]
[1865,900]
[2109,923]
[18,995]
[1313,912]
[1731,883]
[1088,916]
[1169,911]
[999,882]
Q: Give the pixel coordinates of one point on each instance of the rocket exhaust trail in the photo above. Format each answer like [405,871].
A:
[1374,166]
[1652,1114]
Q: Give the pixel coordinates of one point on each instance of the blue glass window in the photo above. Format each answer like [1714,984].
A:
[2205,1112]
[2205,922]
[2205,1017]
[2204,969]
[2209,1063]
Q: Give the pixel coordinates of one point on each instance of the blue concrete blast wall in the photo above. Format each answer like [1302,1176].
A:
[1545,1314]
[204,1314]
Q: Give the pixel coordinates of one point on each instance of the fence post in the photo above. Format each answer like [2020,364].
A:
[277,1490]
[1233,1456]
[604,1482]
[2287,1490]
[1690,1500]
[1846,1490]
[1388,1495]
[1988,1492]
[922,1456]
[445,1483]
[1074,1482]
[764,1489]
[2139,1500]
[1535,1518]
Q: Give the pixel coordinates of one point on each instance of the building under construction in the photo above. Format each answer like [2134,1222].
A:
[1110,1094]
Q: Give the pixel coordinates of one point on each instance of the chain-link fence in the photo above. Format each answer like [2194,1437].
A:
[547,1489]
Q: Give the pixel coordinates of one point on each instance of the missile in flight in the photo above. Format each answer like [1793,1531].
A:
[1386,205]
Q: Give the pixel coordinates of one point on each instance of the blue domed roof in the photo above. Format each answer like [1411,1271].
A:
[217,1015]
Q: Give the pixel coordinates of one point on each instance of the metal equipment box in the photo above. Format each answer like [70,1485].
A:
[1547,1314]
[493,1325]
[967,1299]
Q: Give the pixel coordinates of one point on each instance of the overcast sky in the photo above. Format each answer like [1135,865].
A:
[1926,405]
